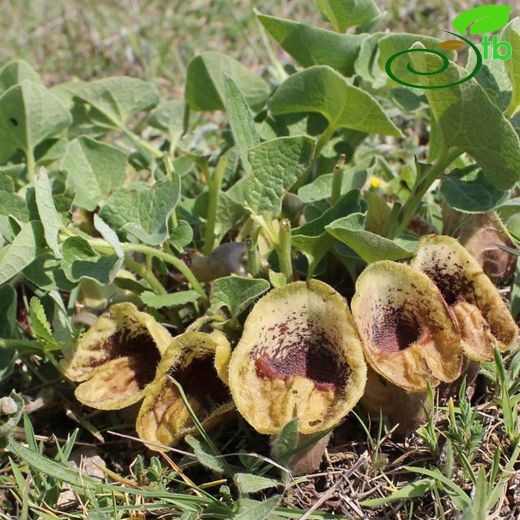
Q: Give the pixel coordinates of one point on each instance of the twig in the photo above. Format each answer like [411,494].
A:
[325,496]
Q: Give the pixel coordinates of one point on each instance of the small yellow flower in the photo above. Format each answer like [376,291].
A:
[375,182]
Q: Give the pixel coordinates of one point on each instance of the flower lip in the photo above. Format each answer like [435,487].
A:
[199,363]
[299,356]
[116,358]
[199,378]
[398,330]
[310,356]
[141,351]
[409,335]
[483,317]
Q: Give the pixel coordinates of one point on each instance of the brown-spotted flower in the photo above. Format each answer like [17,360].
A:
[407,331]
[483,316]
[199,363]
[299,356]
[116,358]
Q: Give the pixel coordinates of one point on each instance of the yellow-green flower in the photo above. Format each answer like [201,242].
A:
[116,358]
[299,356]
[199,363]
[483,316]
[407,331]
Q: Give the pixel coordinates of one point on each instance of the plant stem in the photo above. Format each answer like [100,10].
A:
[410,207]
[284,250]
[211,218]
[324,139]
[252,257]
[141,143]
[20,343]
[145,273]
[29,157]
[512,108]
[169,174]
[103,247]
[337,178]
[170,259]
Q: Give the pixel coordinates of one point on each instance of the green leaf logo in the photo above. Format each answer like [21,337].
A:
[484,19]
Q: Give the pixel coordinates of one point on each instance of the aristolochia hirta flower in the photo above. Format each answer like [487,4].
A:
[407,331]
[483,316]
[198,362]
[116,358]
[299,356]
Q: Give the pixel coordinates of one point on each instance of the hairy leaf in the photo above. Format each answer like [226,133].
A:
[237,293]
[29,114]
[314,46]
[49,216]
[470,121]
[276,166]
[94,170]
[369,246]
[321,89]
[343,14]
[143,213]
[205,89]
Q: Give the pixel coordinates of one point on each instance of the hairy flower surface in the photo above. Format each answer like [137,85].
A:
[199,363]
[116,358]
[299,356]
[407,331]
[483,316]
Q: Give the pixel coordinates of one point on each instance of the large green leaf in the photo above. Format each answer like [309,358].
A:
[321,187]
[171,116]
[81,261]
[94,170]
[176,299]
[511,34]
[369,246]
[276,166]
[321,89]
[312,238]
[12,204]
[236,293]
[29,114]
[377,48]
[313,46]
[470,121]
[49,216]
[343,14]
[143,213]
[471,191]
[241,121]
[205,82]
[14,72]
[21,252]
[229,212]
[112,100]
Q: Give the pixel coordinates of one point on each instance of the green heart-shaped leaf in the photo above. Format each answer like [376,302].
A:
[321,89]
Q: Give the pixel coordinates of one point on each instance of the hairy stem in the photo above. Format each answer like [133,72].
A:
[20,344]
[31,169]
[105,248]
[284,250]
[214,186]
[403,218]
[145,273]
[337,178]
[252,257]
